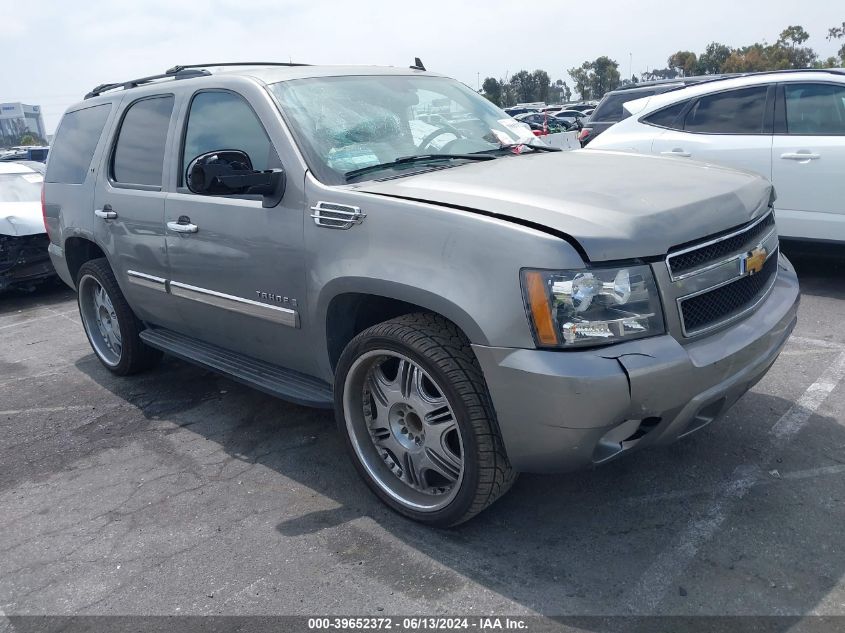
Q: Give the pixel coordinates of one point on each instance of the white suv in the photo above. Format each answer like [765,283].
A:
[788,126]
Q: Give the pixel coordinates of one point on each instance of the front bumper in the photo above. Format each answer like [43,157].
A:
[563,410]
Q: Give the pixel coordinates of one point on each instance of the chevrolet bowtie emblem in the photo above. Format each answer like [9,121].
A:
[752,262]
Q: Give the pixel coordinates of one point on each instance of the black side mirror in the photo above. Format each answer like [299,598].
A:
[229,172]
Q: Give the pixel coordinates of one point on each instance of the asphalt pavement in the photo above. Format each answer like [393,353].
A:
[181,492]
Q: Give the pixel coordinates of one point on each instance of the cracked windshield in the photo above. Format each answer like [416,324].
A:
[379,126]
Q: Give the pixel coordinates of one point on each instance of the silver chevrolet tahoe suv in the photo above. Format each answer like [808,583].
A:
[471,303]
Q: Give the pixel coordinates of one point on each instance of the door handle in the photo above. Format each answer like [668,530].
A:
[677,152]
[106,212]
[183,225]
[800,156]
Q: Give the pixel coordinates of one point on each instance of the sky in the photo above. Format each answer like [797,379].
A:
[54,51]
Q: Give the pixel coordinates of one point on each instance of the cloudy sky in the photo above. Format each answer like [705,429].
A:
[56,50]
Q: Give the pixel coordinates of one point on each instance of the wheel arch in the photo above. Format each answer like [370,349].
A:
[351,306]
[78,250]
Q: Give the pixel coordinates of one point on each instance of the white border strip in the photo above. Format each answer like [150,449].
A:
[654,583]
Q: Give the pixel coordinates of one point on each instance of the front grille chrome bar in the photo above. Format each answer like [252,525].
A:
[705,256]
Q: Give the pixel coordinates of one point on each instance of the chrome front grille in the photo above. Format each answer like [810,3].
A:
[723,278]
[701,311]
[692,259]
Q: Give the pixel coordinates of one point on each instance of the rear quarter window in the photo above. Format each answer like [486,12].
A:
[139,152]
[75,142]
[668,117]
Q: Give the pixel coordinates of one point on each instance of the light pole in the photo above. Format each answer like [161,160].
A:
[630,66]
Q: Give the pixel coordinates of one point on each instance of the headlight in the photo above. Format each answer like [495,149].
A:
[569,308]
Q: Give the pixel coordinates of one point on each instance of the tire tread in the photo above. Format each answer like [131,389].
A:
[135,355]
[443,343]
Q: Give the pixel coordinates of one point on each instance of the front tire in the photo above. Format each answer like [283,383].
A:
[110,325]
[413,406]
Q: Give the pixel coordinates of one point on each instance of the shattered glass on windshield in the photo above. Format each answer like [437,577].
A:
[351,122]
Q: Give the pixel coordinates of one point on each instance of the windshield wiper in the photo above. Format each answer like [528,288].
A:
[404,160]
[539,148]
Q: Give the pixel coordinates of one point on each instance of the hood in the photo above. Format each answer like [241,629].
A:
[614,204]
[21,218]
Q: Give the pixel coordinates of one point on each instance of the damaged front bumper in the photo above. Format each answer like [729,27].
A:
[24,259]
[563,410]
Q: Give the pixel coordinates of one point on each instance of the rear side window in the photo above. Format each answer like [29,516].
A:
[610,109]
[139,151]
[75,142]
[224,120]
[668,117]
[815,109]
[730,112]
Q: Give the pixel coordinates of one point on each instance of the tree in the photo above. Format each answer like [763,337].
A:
[786,52]
[566,92]
[541,85]
[593,79]
[524,85]
[605,76]
[837,33]
[492,89]
[581,78]
[660,73]
[789,42]
[684,62]
[748,59]
[793,36]
[710,62]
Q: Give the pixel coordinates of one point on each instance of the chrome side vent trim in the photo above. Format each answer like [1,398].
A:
[336,216]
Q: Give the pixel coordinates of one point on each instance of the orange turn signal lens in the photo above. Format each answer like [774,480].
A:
[538,302]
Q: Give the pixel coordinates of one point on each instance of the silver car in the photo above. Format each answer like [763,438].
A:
[387,243]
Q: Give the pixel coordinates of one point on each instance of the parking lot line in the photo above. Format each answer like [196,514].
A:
[653,584]
[816,342]
[760,479]
[47,409]
[798,414]
[53,315]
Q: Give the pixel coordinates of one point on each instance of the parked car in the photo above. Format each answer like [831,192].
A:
[35,165]
[787,126]
[609,110]
[35,154]
[585,107]
[569,115]
[489,308]
[544,123]
[517,110]
[23,243]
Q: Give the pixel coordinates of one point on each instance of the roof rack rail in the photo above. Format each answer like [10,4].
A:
[181,67]
[693,80]
[182,71]
[134,83]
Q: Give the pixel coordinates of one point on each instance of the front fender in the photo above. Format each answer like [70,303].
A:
[463,265]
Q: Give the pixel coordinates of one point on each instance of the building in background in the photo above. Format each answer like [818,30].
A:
[18,120]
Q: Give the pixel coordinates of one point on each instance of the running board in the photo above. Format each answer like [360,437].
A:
[283,383]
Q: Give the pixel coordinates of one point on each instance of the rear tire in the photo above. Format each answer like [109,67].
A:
[110,325]
[414,409]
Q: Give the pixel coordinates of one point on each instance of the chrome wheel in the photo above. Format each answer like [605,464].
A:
[100,320]
[403,430]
